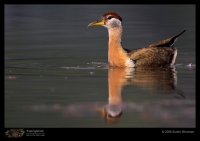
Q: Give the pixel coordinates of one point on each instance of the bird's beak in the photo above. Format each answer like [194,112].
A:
[97,23]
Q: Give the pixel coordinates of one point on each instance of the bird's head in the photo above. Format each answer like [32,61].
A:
[109,19]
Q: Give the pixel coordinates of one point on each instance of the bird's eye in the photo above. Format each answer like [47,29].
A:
[110,17]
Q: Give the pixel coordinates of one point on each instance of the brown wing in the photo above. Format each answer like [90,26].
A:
[156,54]
[152,57]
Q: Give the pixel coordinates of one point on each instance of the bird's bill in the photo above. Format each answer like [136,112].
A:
[97,23]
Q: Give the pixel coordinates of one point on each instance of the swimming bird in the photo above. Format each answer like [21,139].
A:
[160,54]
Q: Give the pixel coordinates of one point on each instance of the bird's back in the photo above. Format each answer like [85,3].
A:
[158,54]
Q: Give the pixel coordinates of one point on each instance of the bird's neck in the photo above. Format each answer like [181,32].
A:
[115,35]
[116,54]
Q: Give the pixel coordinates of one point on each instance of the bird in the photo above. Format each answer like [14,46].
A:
[160,54]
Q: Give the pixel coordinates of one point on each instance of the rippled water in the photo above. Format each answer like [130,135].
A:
[56,72]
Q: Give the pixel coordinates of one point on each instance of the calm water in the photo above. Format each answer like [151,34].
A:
[56,73]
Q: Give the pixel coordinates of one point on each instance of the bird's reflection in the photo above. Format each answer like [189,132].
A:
[151,80]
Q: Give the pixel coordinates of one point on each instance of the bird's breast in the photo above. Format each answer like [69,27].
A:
[119,58]
[116,59]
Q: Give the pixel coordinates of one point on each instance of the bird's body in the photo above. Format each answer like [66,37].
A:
[160,54]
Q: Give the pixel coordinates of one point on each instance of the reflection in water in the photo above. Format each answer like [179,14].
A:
[149,79]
